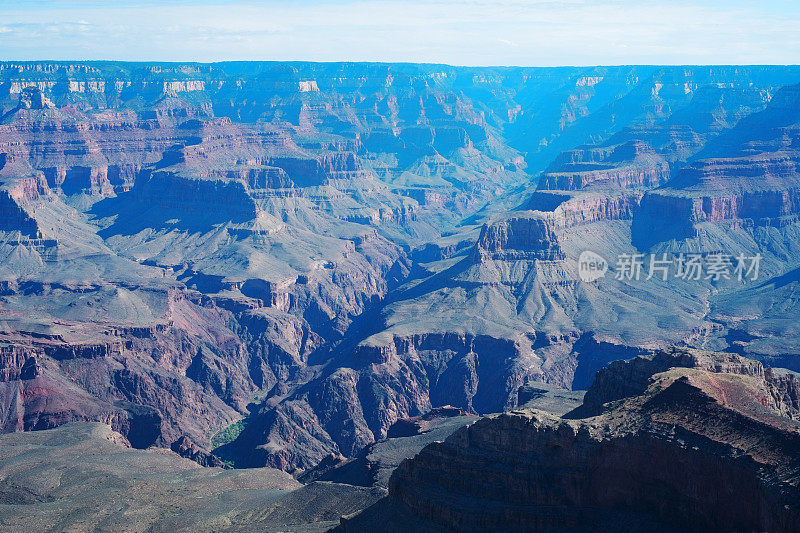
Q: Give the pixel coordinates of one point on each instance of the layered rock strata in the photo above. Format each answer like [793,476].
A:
[682,437]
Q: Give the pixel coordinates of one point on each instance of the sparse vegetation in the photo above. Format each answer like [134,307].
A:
[229,434]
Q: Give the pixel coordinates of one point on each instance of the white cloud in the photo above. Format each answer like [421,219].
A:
[477,32]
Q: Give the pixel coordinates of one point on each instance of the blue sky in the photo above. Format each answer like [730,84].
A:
[464,32]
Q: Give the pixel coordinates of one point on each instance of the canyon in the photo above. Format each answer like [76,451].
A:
[271,265]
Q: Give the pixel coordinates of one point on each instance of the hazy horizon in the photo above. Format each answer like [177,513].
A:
[334,62]
[537,33]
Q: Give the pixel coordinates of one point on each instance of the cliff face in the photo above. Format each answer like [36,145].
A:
[529,238]
[169,191]
[526,470]
[319,171]
[632,164]
[357,404]
[14,218]
[759,190]
[152,384]
[752,181]
[566,211]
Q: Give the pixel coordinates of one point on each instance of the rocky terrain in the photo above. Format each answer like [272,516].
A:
[679,440]
[270,264]
[82,477]
[85,476]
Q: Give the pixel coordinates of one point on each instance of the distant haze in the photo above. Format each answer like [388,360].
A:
[472,32]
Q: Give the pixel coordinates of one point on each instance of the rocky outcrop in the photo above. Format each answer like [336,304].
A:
[345,410]
[33,98]
[527,470]
[319,171]
[14,218]
[259,178]
[784,392]
[737,193]
[438,251]
[95,181]
[569,211]
[18,363]
[518,238]
[535,236]
[633,164]
[185,447]
[171,191]
[624,379]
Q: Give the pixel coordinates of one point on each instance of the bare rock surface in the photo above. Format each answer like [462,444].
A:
[679,439]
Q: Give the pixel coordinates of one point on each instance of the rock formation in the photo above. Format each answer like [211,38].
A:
[681,438]
[276,262]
